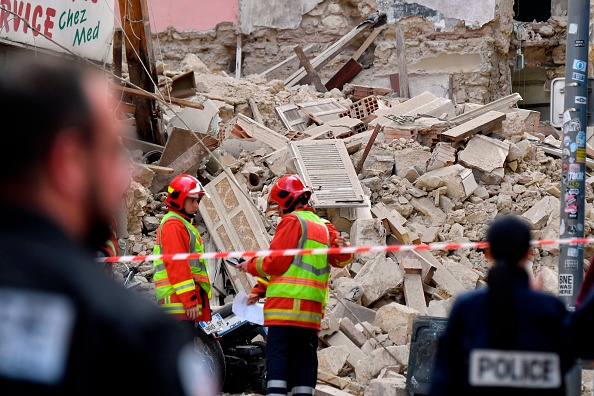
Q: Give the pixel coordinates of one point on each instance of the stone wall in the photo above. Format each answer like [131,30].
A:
[468,59]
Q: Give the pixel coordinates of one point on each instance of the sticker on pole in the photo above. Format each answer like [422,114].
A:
[566,285]
[580,65]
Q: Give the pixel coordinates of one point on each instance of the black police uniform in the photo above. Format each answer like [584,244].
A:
[466,365]
[67,329]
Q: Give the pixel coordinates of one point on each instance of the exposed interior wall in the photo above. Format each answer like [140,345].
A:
[474,48]
[196,15]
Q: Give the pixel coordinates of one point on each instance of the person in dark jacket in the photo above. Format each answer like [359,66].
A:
[505,339]
[65,327]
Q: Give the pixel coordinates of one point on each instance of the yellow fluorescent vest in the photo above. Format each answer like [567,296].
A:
[163,288]
[307,277]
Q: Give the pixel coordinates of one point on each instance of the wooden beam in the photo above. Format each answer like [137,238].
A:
[414,294]
[485,123]
[329,53]
[411,266]
[352,68]
[160,169]
[376,132]
[311,72]
[118,37]
[312,116]
[139,57]
[402,66]
[256,111]
[307,50]
[152,96]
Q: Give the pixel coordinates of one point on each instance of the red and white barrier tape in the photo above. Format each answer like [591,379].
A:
[343,250]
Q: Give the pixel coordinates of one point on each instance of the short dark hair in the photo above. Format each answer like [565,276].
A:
[39,97]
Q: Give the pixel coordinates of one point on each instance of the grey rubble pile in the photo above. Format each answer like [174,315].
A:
[436,172]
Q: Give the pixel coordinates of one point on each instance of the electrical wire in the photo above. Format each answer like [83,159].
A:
[154,97]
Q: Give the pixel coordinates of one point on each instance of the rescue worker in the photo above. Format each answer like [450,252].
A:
[505,339]
[110,248]
[298,288]
[182,287]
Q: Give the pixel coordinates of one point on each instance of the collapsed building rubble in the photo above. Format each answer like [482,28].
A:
[436,172]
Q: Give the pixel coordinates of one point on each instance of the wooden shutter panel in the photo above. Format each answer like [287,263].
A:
[325,167]
[233,224]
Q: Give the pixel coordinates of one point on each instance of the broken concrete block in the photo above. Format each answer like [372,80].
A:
[412,174]
[151,223]
[370,367]
[430,235]
[349,330]
[407,158]
[549,279]
[366,232]
[443,155]
[551,231]
[355,312]
[378,277]
[390,372]
[458,179]
[539,214]
[393,386]
[413,292]
[481,192]
[466,276]
[426,206]
[396,320]
[329,325]
[249,135]
[355,354]
[333,359]
[280,162]
[351,290]
[441,308]
[142,174]
[446,204]
[487,156]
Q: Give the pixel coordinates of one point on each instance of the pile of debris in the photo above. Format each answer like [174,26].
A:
[384,170]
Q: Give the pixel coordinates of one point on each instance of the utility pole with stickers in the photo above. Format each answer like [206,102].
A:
[575,122]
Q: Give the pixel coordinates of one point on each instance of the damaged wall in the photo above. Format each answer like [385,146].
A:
[198,15]
[474,47]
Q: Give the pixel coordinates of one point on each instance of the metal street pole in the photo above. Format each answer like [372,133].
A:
[575,120]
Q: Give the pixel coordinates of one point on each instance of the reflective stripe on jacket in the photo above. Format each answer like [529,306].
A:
[198,269]
[308,275]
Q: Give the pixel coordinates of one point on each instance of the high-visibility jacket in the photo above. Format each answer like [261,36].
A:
[167,294]
[299,312]
[308,275]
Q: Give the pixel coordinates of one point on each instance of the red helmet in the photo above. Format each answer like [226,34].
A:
[286,190]
[182,187]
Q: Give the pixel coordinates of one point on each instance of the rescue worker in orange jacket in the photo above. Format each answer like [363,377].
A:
[298,288]
[110,249]
[182,287]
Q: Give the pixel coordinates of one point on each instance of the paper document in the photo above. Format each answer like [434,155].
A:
[253,313]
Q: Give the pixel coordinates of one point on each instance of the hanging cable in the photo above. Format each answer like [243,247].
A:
[154,97]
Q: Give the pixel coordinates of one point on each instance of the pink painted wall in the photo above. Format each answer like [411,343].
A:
[199,15]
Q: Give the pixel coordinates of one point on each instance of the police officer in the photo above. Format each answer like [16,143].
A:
[505,339]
